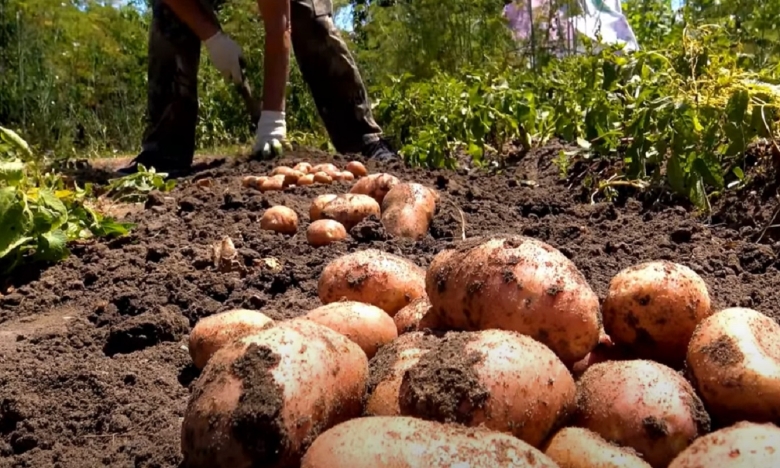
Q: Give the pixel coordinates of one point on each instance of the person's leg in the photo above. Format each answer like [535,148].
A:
[168,142]
[334,80]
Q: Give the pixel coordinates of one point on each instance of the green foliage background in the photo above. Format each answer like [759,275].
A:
[445,79]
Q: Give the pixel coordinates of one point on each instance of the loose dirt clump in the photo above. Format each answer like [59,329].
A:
[94,369]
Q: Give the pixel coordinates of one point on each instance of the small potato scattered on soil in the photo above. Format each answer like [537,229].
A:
[357,169]
[280,219]
[350,209]
[324,232]
[323,178]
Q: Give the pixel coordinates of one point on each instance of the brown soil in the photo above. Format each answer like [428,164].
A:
[93,365]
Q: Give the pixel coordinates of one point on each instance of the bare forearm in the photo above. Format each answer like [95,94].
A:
[192,14]
[276,61]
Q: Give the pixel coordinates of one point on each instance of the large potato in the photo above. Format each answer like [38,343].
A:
[211,333]
[386,370]
[280,219]
[734,361]
[652,308]
[575,447]
[375,185]
[643,405]
[368,326]
[401,442]
[262,400]
[408,209]
[349,209]
[373,277]
[520,284]
[743,445]
[501,379]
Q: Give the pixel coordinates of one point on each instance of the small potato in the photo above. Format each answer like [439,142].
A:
[249,182]
[262,400]
[304,167]
[374,277]
[402,442]
[503,380]
[734,362]
[327,168]
[325,231]
[350,209]
[308,179]
[408,209]
[575,447]
[386,371]
[516,283]
[743,445]
[291,175]
[273,183]
[357,169]
[315,211]
[323,178]
[643,405]
[375,186]
[415,317]
[211,333]
[368,326]
[346,176]
[284,170]
[652,308]
[279,219]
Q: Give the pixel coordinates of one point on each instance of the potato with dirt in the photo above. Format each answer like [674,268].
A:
[374,277]
[501,379]
[516,283]
[319,202]
[408,209]
[325,232]
[386,370]
[403,442]
[357,168]
[376,186]
[734,363]
[350,209]
[212,333]
[291,175]
[280,219]
[262,400]
[743,445]
[273,183]
[368,326]
[652,309]
[575,447]
[643,405]
[327,168]
[416,316]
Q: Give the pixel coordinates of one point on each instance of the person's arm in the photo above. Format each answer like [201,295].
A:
[192,14]
[276,60]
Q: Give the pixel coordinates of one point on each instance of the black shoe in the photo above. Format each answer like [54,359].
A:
[379,150]
[174,169]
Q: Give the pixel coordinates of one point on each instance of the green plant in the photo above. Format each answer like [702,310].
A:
[38,214]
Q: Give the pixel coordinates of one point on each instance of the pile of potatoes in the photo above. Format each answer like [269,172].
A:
[498,353]
[406,209]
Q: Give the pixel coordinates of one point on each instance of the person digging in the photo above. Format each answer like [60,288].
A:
[177,29]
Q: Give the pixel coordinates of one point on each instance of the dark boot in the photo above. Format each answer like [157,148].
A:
[334,80]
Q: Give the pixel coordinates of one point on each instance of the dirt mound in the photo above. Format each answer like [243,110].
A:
[94,370]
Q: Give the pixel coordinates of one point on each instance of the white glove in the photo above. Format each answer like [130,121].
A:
[271,133]
[225,54]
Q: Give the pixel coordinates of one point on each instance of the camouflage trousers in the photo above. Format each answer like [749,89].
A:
[325,62]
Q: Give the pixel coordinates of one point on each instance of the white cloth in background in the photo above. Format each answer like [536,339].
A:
[604,17]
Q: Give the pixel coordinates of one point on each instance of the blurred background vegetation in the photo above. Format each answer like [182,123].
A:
[73,72]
